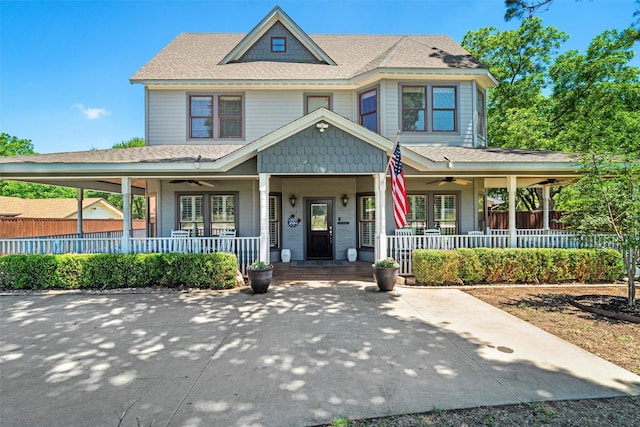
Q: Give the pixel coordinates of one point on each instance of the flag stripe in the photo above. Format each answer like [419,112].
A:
[398,189]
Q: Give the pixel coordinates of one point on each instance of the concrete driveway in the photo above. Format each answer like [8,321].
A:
[296,356]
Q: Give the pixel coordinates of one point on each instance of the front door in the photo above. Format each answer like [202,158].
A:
[320,229]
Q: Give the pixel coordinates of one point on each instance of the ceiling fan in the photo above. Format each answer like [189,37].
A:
[547,182]
[192,182]
[450,179]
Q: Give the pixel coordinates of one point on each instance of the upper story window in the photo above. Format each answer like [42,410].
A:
[414,108]
[313,102]
[278,44]
[215,116]
[444,108]
[368,109]
[429,108]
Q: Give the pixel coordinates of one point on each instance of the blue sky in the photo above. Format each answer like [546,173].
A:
[65,65]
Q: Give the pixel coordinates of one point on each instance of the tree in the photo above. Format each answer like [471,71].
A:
[606,198]
[12,146]
[138,206]
[527,8]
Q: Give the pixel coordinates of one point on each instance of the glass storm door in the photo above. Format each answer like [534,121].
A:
[320,229]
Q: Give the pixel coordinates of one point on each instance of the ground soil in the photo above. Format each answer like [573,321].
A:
[568,312]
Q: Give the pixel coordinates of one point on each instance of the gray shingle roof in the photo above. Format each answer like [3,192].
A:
[489,154]
[196,56]
[149,154]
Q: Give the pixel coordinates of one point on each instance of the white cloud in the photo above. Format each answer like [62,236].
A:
[92,113]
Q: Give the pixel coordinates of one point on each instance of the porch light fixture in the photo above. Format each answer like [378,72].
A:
[322,126]
[292,200]
[345,200]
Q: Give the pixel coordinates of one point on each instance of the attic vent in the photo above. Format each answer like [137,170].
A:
[278,44]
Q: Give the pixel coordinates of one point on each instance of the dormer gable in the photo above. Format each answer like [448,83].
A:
[277,39]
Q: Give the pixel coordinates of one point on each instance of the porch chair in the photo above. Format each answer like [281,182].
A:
[476,241]
[179,242]
[227,241]
[405,245]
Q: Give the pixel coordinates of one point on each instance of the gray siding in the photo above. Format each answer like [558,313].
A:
[261,49]
[333,151]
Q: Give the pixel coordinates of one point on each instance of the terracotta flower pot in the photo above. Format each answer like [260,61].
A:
[386,277]
[260,280]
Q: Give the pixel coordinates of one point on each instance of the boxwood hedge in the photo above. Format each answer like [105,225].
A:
[483,265]
[76,271]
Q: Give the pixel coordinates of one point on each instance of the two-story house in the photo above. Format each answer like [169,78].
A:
[286,136]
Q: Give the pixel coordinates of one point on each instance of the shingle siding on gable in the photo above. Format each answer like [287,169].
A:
[261,49]
[333,151]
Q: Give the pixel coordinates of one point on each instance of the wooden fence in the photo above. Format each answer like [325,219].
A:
[32,227]
[525,219]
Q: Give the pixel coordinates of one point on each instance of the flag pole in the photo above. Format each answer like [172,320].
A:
[391,156]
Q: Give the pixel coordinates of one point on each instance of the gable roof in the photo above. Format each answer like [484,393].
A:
[342,59]
[49,208]
[273,17]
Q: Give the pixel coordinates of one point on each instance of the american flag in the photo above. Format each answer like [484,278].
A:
[398,189]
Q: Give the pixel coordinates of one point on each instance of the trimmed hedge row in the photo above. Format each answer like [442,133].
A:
[76,271]
[483,265]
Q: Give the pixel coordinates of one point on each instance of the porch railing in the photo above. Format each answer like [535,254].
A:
[246,249]
[400,247]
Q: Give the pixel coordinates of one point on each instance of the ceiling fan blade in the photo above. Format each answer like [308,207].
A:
[433,182]
[443,182]
[206,184]
[462,181]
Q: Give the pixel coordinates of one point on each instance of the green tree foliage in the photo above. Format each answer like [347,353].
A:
[12,146]
[130,143]
[527,8]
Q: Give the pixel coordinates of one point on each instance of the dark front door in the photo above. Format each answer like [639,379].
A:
[320,229]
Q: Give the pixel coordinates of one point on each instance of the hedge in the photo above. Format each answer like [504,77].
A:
[483,265]
[76,271]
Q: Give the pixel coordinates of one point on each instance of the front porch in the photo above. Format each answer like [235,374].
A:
[247,249]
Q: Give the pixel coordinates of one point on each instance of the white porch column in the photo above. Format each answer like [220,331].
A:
[263,186]
[511,188]
[126,212]
[546,190]
[380,189]
[79,196]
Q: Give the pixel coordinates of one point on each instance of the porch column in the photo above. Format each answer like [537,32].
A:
[380,189]
[511,189]
[546,190]
[126,213]
[263,186]
[79,196]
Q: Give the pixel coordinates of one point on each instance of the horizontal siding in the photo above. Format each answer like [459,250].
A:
[390,113]
[268,110]
[167,119]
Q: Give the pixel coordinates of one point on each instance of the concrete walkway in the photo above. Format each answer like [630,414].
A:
[296,356]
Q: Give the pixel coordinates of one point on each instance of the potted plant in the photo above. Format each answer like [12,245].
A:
[260,274]
[385,271]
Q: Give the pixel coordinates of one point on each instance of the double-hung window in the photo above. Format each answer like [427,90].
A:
[217,116]
[192,214]
[414,108]
[368,110]
[223,213]
[445,213]
[417,215]
[482,115]
[367,221]
[444,108]
[429,108]
[274,221]
[427,211]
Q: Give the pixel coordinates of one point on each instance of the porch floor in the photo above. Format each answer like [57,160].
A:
[284,274]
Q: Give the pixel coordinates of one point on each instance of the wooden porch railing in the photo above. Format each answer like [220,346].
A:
[400,247]
[246,249]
